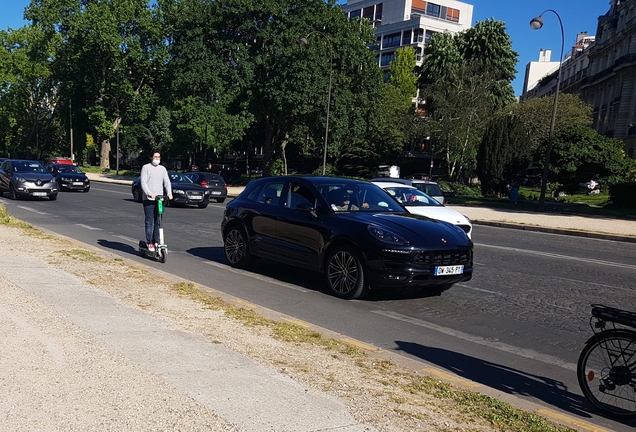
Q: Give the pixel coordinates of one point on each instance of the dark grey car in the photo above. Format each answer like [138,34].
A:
[212,182]
[26,178]
[69,177]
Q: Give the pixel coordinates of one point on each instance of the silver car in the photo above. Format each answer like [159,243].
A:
[26,178]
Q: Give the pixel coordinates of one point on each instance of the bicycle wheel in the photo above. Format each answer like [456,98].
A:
[607,372]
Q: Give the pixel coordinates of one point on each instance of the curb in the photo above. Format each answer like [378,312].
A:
[575,233]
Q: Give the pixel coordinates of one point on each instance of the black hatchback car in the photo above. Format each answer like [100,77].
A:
[184,192]
[352,231]
[26,178]
[212,182]
[69,177]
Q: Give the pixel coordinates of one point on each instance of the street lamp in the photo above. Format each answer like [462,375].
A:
[536,24]
[303,41]
[101,98]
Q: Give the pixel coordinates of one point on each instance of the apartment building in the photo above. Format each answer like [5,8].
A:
[541,76]
[610,85]
[602,70]
[400,23]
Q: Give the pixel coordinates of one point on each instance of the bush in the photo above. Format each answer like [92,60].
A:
[622,194]
[459,189]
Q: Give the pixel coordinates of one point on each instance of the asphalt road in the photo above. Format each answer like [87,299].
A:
[518,326]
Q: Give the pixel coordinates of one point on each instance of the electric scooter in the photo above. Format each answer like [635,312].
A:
[161,249]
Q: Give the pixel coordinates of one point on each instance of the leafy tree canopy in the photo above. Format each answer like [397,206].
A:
[580,154]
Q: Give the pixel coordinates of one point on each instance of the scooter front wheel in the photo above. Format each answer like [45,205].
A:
[163,255]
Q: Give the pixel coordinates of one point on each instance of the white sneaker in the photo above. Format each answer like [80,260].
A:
[151,247]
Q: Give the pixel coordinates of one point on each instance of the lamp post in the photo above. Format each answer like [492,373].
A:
[536,23]
[116,128]
[303,41]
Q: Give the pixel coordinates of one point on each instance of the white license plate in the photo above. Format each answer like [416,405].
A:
[216,192]
[78,183]
[39,193]
[196,197]
[449,270]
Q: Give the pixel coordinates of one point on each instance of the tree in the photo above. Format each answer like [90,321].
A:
[463,80]
[503,153]
[580,154]
[536,114]
[108,49]
[27,94]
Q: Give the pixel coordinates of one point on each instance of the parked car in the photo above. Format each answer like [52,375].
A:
[26,178]
[69,177]
[352,231]
[417,202]
[430,188]
[184,192]
[212,182]
[60,161]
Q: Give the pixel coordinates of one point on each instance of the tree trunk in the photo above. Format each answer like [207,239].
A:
[104,154]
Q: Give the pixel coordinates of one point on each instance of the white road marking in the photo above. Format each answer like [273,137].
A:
[111,191]
[522,352]
[259,277]
[128,239]
[89,227]
[33,210]
[565,257]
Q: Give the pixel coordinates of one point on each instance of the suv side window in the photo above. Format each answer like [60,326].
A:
[298,194]
[269,193]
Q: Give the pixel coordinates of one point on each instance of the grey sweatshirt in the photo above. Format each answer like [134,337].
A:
[155,180]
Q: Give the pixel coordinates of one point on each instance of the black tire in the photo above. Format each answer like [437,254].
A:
[53,197]
[237,250]
[220,200]
[163,255]
[202,205]
[137,195]
[345,273]
[606,371]
[14,195]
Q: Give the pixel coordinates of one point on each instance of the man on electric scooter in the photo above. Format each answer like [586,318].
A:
[154,181]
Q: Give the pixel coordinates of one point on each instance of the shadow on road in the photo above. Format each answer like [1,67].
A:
[120,247]
[505,379]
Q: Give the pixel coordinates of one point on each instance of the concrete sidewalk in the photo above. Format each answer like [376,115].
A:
[76,358]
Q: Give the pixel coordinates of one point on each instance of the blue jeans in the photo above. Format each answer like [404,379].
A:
[152,221]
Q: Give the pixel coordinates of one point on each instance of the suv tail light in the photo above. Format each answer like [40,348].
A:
[224,185]
[204,183]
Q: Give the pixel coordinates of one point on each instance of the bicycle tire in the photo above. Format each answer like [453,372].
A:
[606,372]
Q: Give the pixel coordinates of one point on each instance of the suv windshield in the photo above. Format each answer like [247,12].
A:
[352,196]
[429,188]
[29,167]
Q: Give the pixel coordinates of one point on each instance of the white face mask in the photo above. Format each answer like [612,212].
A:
[155,162]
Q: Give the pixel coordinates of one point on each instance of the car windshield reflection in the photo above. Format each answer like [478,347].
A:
[70,169]
[29,167]
[409,196]
[354,197]
[179,178]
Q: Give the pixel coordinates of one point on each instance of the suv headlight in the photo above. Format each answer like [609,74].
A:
[20,179]
[387,236]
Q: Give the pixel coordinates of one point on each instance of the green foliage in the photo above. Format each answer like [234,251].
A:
[580,154]
[622,194]
[401,74]
[464,79]
[536,114]
[454,188]
[503,153]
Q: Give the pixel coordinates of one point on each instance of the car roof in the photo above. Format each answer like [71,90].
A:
[384,184]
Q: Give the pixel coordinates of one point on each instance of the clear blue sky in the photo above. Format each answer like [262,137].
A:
[578,16]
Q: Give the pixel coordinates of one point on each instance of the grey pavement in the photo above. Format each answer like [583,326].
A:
[510,217]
